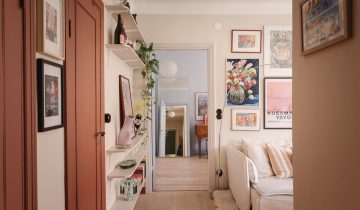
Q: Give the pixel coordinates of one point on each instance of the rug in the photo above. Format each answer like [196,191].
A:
[223,200]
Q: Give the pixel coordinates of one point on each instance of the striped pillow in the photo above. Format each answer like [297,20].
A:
[281,160]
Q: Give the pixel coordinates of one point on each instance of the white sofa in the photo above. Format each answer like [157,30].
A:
[253,192]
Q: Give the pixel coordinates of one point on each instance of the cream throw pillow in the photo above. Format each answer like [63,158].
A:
[281,160]
[258,154]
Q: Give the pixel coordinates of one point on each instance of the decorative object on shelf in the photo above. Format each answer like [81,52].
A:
[146,54]
[135,16]
[278,103]
[50,95]
[246,41]
[119,34]
[126,108]
[128,188]
[324,23]
[201,105]
[51,28]
[278,51]
[107,118]
[245,120]
[242,82]
[126,164]
[139,123]
[126,133]
[168,70]
[127,4]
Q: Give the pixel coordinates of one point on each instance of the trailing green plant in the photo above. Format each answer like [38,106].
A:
[147,55]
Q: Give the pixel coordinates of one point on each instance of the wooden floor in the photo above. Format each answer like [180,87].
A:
[180,200]
[174,174]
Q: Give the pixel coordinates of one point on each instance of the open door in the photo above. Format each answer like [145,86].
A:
[162,129]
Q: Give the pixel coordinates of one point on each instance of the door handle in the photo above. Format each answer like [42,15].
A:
[100,133]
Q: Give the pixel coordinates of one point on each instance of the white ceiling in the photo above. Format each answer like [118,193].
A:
[220,7]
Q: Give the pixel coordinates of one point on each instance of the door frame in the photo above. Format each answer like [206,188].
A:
[212,147]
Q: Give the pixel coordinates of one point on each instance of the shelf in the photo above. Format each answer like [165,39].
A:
[130,25]
[128,205]
[127,54]
[137,140]
[124,173]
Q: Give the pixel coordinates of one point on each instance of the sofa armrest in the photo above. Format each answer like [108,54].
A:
[238,175]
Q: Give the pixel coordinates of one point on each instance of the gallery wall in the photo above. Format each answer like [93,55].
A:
[195,29]
[326,93]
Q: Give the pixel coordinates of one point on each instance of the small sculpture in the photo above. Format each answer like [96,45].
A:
[139,125]
[124,136]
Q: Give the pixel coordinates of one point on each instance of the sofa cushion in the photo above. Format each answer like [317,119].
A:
[274,186]
[281,160]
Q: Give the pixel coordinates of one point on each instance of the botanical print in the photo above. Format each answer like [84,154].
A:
[245,120]
[322,22]
[51,96]
[242,82]
[246,41]
[201,105]
[278,103]
[281,49]
[51,23]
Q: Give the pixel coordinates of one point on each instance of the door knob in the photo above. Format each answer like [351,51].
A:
[100,133]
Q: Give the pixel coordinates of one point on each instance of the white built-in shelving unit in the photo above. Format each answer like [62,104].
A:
[127,54]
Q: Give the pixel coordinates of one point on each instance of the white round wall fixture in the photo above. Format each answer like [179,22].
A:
[171,114]
[168,69]
[218,26]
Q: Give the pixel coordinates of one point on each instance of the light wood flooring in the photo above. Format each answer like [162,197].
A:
[174,174]
[180,200]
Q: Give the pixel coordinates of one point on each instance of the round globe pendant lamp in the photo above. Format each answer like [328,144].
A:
[168,69]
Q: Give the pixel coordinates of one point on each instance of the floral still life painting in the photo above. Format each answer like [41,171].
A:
[242,82]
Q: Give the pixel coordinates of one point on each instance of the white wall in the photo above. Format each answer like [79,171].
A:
[192,65]
[51,166]
[178,29]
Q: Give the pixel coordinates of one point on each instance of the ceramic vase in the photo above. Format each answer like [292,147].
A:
[125,134]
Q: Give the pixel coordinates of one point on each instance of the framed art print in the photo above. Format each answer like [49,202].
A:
[246,41]
[201,105]
[277,51]
[50,95]
[245,120]
[51,28]
[242,82]
[324,23]
[278,103]
[125,99]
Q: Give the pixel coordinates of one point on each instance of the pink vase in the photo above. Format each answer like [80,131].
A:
[126,132]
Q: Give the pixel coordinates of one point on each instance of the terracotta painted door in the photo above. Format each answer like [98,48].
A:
[11,107]
[88,105]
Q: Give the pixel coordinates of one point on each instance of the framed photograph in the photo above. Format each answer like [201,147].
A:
[201,105]
[245,120]
[51,28]
[242,82]
[246,41]
[324,23]
[277,51]
[278,103]
[126,108]
[50,90]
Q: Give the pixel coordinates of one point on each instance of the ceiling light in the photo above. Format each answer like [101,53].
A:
[168,69]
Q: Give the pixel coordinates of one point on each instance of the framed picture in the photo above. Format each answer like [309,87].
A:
[201,105]
[278,103]
[277,51]
[51,28]
[242,82]
[324,23]
[125,99]
[246,41]
[245,120]
[50,95]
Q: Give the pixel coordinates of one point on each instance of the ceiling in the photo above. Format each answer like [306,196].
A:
[219,7]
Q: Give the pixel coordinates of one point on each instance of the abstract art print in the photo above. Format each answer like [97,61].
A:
[324,23]
[277,51]
[245,120]
[51,28]
[246,41]
[278,103]
[201,105]
[242,82]
[50,95]
[125,99]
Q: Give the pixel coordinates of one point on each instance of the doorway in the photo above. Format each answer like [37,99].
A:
[180,168]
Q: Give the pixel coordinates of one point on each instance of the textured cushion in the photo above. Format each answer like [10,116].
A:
[273,186]
[258,154]
[253,172]
[281,160]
